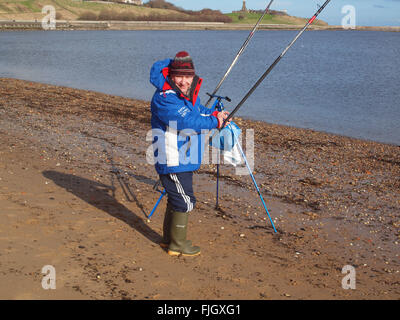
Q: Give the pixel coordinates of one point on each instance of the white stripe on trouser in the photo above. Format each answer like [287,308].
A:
[181,191]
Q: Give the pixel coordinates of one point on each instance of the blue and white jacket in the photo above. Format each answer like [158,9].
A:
[175,120]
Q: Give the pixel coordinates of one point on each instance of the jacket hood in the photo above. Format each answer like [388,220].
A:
[159,77]
[159,72]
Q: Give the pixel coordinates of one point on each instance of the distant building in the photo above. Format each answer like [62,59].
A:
[137,2]
[244,9]
[273,12]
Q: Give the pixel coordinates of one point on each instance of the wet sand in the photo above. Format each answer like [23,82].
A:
[75,190]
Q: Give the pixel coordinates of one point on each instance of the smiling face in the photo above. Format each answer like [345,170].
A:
[183,83]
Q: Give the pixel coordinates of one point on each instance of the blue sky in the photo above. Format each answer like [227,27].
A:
[368,12]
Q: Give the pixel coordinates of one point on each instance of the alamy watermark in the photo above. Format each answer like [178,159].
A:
[49,280]
[349,20]
[349,281]
[49,21]
[174,147]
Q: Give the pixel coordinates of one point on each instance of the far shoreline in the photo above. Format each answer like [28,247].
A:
[16,25]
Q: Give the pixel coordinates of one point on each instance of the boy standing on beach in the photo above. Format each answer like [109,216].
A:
[177,122]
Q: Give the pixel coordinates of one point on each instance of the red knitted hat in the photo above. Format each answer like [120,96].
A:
[182,65]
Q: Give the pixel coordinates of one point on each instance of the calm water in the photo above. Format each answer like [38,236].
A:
[334,81]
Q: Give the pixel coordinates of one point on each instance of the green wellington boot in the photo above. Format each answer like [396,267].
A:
[167,228]
[179,245]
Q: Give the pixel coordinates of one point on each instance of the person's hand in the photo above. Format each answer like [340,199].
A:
[221,117]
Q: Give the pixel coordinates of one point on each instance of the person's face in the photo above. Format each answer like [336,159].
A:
[183,83]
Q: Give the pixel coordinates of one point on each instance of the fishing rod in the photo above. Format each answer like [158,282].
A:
[266,73]
[253,179]
[216,132]
[241,50]
[263,76]
[218,105]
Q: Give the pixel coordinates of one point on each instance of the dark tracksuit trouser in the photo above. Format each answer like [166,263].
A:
[179,188]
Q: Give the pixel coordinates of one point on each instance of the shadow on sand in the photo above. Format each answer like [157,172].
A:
[97,195]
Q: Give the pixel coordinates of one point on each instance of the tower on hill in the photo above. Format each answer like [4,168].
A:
[244,9]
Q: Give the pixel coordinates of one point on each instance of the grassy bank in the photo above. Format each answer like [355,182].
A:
[71,10]
[96,10]
[252,18]
[91,10]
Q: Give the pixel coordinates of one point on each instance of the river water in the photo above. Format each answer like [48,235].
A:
[343,82]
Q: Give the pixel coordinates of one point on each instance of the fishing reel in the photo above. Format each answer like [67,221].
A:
[218,105]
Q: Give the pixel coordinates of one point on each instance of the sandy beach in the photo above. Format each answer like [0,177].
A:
[75,192]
